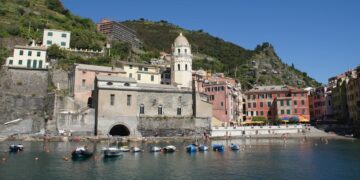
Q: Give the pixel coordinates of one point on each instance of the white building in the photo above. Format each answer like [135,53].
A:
[58,37]
[28,57]
[181,70]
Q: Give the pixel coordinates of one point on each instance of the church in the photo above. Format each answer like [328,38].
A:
[126,107]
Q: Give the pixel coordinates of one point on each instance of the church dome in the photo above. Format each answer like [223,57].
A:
[181,41]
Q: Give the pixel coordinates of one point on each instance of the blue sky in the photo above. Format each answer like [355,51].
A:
[320,37]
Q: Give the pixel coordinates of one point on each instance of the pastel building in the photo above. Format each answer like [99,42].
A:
[142,73]
[58,37]
[81,80]
[353,97]
[33,57]
[277,102]
[322,103]
[225,96]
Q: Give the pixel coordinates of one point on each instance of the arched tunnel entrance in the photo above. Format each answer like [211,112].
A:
[119,130]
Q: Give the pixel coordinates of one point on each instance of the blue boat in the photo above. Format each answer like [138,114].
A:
[234,147]
[191,148]
[218,147]
[203,147]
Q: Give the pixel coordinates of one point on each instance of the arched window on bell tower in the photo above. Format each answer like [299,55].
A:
[185,67]
[178,51]
[185,51]
[178,67]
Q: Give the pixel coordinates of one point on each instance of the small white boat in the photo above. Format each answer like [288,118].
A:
[155,149]
[124,148]
[112,152]
[135,149]
[203,147]
[169,148]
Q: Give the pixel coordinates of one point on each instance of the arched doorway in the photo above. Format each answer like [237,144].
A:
[119,130]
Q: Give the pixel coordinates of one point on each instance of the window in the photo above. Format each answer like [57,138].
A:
[83,83]
[212,97]
[185,67]
[302,94]
[146,69]
[142,109]
[303,111]
[178,67]
[28,63]
[40,63]
[63,43]
[152,77]
[249,105]
[10,61]
[288,111]
[160,110]
[34,64]
[63,35]
[254,105]
[222,104]
[302,102]
[178,51]
[295,111]
[130,75]
[282,111]
[269,104]
[270,96]
[112,99]
[281,102]
[185,51]
[288,102]
[48,42]
[295,102]
[128,102]
[29,53]
[140,68]
[38,54]
[178,111]
[21,52]
[139,77]
[261,104]
[262,113]
[50,34]
[130,66]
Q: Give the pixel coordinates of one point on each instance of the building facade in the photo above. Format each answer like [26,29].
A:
[322,103]
[353,97]
[181,63]
[33,57]
[116,31]
[58,37]
[142,73]
[81,80]
[277,102]
[125,107]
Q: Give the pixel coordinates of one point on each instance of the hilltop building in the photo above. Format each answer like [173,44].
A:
[142,73]
[58,37]
[116,31]
[32,57]
[277,102]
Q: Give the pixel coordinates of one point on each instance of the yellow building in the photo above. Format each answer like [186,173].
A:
[142,73]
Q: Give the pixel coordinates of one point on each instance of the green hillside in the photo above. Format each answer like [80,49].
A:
[260,66]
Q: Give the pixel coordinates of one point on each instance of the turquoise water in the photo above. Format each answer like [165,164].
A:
[261,159]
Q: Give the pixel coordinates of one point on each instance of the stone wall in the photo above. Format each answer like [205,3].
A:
[23,95]
[173,126]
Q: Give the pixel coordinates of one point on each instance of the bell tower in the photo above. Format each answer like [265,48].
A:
[181,63]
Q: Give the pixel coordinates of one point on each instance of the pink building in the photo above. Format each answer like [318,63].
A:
[224,94]
[322,103]
[81,80]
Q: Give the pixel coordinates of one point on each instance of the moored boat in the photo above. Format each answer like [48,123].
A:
[135,149]
[16,148]
[218,147]
[191,148]
[124,148]
[112,152]
[234,147]
[81,153]
[203,147]
[155,149]
[169,149]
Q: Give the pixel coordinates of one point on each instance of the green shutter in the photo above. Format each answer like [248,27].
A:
[29,63]
[40,64]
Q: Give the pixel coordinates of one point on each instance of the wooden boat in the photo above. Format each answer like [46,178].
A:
[81,153]
[112,151]
[191,148]
[169,149]
[203,147]
[16,148]
[218,147]
[136,149]
[234,147]
[124,148]
[155,149]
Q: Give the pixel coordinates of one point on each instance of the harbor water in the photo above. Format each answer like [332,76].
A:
[257,159]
